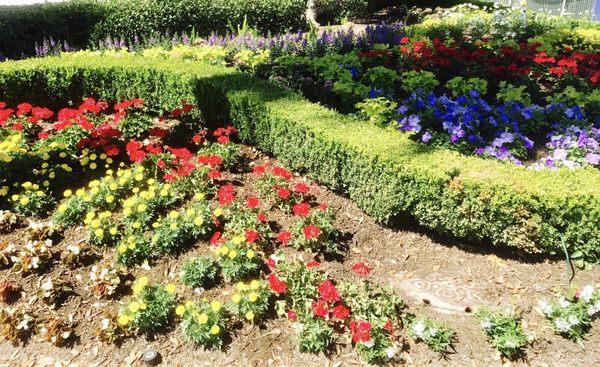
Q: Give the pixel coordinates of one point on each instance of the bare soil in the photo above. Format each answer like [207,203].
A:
[442,278]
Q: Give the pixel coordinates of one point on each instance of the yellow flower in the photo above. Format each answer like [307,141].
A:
[249,315]
[142,306]
[131,245]
[139,177]
[218,212]
[216,306]
[202,318]
[190,212]
[62,208]
[252,297]
[238,240]
[199,196]
[136,225]
[24,201]
[255,284]
[189,304]
[143,280]
[27,184]
[137,288]
[215,329]
[232,254]
[112,231]
[99,232]
[110,198]
[123,320]
[198,221]
[240,286]
[250,254]
[224,250]
[180,310]
[236,298]
[93,165]
[67,193]
[173,226]
[174,214]
[171,288]
[122,248]
[142,207]
[113,186]
[134,307]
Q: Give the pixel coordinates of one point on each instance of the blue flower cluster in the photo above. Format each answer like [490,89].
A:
[500,131]
[571,147]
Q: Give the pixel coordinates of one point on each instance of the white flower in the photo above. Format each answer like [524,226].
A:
[562,325]
[390,352]
[545,307]
[368,344]
[573,320]
[76,250]
[563,302]
[419,329]
[35,262]
[47,285]
[486,324]
[104,324]
[586,293]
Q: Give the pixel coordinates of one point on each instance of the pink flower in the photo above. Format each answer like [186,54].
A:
[361,269]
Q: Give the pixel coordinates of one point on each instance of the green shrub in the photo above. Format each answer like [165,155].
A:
[199,272]
[146,18]
[386,174]
[80,22]
[21,27]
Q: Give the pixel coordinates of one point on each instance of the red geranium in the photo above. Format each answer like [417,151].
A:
[361,269]
[301,209]
[251,236]
[277,285]
[226,194]
[283,193]
[320,309]
[311,231]
[252,202]
[361,331]
[341,312]
[284,237]
[328,292]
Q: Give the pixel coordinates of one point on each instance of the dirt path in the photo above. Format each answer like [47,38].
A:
[437,277]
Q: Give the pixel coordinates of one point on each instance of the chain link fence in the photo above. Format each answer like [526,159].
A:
[589,9]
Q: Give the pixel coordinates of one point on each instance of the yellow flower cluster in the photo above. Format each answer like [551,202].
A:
[92,159]
[247,292]
[10,146]
[30,190]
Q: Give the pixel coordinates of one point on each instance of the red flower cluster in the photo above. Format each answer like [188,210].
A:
[329,303]
[311,232]
[277,285]
[226,194]
[360,330]
[223,134]
[127,104]
[361,269]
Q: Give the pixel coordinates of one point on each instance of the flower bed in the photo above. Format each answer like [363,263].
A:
[386,174]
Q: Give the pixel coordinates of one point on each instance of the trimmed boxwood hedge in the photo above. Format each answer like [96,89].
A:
[81,22]
[385,173]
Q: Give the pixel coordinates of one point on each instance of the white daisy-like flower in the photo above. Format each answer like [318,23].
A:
[47,285]
[562,325]
[368,344]
[104,324]
[390,352]
[485,323]
[563,302]
[418,329]
[573,320]
[545,307]
[586,293]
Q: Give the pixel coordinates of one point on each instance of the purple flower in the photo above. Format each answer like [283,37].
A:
[426,137]
[593,158]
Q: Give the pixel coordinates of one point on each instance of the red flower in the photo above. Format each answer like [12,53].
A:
[261,217]
[291,314]
[311,232]
[404,40]
[282,172]
[216,238]
[361,269]
[135,152]
[252,202]
[301,188]
[301,209]
[259,170]
[341,312]
[226,194]
[361,331]
[313,264]
[284,237]
[328,292]
[320,309]
[283,193]
[277,285]
[323,206]
[251,236]
[197,139]
[213,174]
[271,262]
[43,135]
[389,327]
